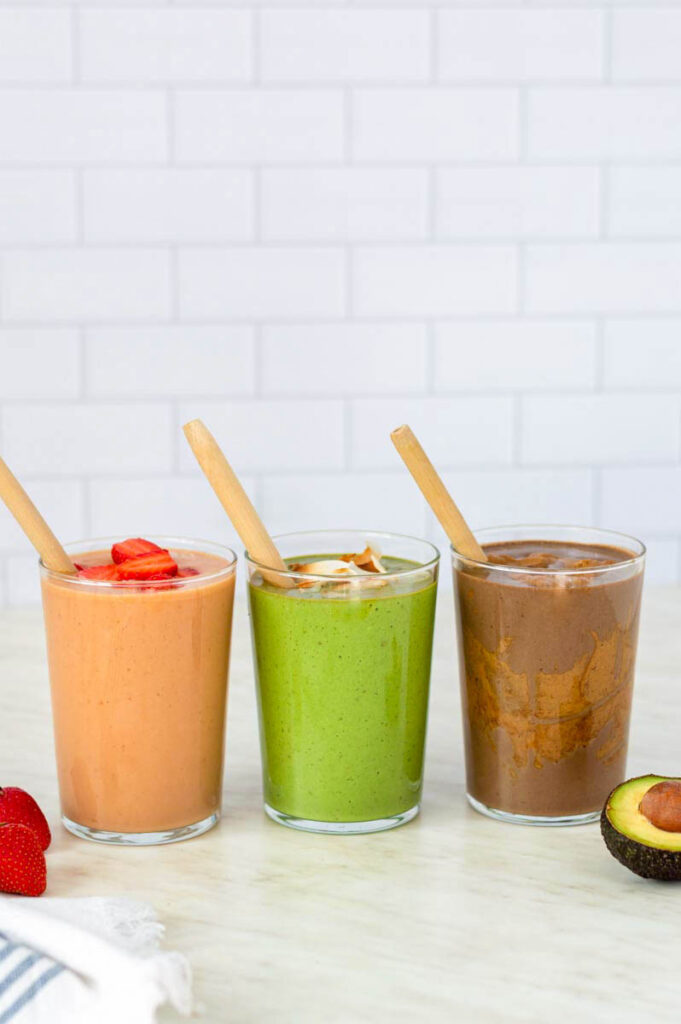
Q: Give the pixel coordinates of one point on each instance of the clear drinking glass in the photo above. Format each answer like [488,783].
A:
[547,671]
[138,674]
[343,674]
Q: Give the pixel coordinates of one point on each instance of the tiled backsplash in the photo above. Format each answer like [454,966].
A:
[308,223]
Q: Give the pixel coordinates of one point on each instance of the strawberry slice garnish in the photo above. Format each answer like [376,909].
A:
[188,571]
[158,565]
[18,807]
[22,862]
[100,572]
[134,547]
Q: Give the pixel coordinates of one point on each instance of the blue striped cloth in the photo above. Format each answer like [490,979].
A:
[90,960]
[23,975]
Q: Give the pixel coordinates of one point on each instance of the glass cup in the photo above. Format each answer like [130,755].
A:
[343,675]
[138,674]
[547,671]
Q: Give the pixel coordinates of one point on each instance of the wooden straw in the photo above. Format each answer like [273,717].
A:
[235,501]
[32,523]
[436,494]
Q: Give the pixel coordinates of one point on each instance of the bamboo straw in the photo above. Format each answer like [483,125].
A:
[32,523]
[436,494]
[236,503]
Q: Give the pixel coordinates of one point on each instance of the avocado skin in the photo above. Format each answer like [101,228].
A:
[645,861]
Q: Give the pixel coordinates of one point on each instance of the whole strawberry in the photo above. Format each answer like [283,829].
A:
[22,862]
[18,807]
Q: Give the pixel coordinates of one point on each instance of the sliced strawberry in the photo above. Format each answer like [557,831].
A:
[132,548]
[188,571]
[18,807]
[148,566]
[22,862]
[100,572]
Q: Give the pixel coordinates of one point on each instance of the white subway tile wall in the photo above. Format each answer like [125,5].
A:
[308,222]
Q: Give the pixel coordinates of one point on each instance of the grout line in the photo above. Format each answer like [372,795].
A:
[349,282]
[523,124]
[317,320]
[608,46]
[347,435]
[433,29]
[389,163]
[174,284]
[79,204]
[631,393]
[313,5]
[86,505]
[348,118]
[83,363]
[517,425]
[521,279]
[379,320]
[256,46]
[430,374]
[596,496]
[76,63]
[257,198]
[258,346]
[433,203]
[604,190]
[175,435]
[413,242]
[372,471]
[600,356]
[171,106]
[241,83]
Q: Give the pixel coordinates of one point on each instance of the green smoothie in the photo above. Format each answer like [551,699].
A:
[343,676]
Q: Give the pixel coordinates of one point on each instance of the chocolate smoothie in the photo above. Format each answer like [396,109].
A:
[547,666]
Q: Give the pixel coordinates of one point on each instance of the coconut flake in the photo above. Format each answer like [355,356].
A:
[367,563]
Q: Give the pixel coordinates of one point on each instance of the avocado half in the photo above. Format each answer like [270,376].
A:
[632,839]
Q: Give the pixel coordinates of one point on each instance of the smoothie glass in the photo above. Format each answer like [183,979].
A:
[138,674]
[547,671]
[343,676]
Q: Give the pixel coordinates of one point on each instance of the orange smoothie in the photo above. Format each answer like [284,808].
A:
[138,673]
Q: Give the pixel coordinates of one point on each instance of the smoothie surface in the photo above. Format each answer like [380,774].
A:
[555,556]
[204,563]
[401,577]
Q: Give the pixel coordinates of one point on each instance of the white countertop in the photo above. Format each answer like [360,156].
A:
[451,918]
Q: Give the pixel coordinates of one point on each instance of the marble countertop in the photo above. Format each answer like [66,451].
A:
[451,918]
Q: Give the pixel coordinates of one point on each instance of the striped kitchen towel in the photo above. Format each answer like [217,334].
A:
[86,961]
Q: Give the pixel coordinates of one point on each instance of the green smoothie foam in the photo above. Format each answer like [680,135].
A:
[343,676]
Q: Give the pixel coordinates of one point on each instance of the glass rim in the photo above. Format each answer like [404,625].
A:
[533,571]
[176,543]
[292,574]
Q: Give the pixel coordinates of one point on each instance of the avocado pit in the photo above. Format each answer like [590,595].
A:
[661,805]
